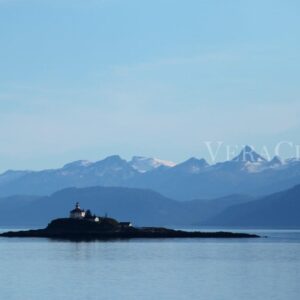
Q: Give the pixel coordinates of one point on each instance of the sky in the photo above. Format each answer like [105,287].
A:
[84,79]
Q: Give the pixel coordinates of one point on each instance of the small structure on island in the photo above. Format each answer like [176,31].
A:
[89,217]
[77,212]
[125,224]
[81,214]
[86,215]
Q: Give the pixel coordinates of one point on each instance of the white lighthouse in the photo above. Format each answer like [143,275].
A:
[77,212]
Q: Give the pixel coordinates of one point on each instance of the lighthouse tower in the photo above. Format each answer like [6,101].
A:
[77,212]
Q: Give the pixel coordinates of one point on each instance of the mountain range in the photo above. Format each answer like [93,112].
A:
[248,173]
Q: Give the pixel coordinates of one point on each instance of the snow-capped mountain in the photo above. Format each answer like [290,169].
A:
[144,164]
[275,162]
[191,166]
[249,161]
[248,173]
[77,164]
[249,155]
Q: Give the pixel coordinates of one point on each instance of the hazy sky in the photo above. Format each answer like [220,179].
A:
[86,79]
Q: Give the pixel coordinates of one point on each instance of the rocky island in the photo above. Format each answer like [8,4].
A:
[82,225]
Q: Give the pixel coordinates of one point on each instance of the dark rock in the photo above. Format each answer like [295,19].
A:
[107,228]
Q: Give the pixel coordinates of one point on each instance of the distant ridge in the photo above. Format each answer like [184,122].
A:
[148,208]
[142,207]
[278,210]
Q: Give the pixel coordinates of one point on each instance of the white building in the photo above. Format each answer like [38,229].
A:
[77,213]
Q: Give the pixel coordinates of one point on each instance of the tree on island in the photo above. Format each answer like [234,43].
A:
[88,214]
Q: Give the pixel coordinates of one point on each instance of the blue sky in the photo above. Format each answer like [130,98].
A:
[86,79]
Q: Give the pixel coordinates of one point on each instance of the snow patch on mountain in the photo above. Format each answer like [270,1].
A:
[144,164]
[192,166]
[249,155]
[77,164]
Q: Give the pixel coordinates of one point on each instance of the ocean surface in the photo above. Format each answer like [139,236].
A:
[218,269]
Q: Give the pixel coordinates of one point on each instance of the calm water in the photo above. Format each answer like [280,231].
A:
[154,269]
